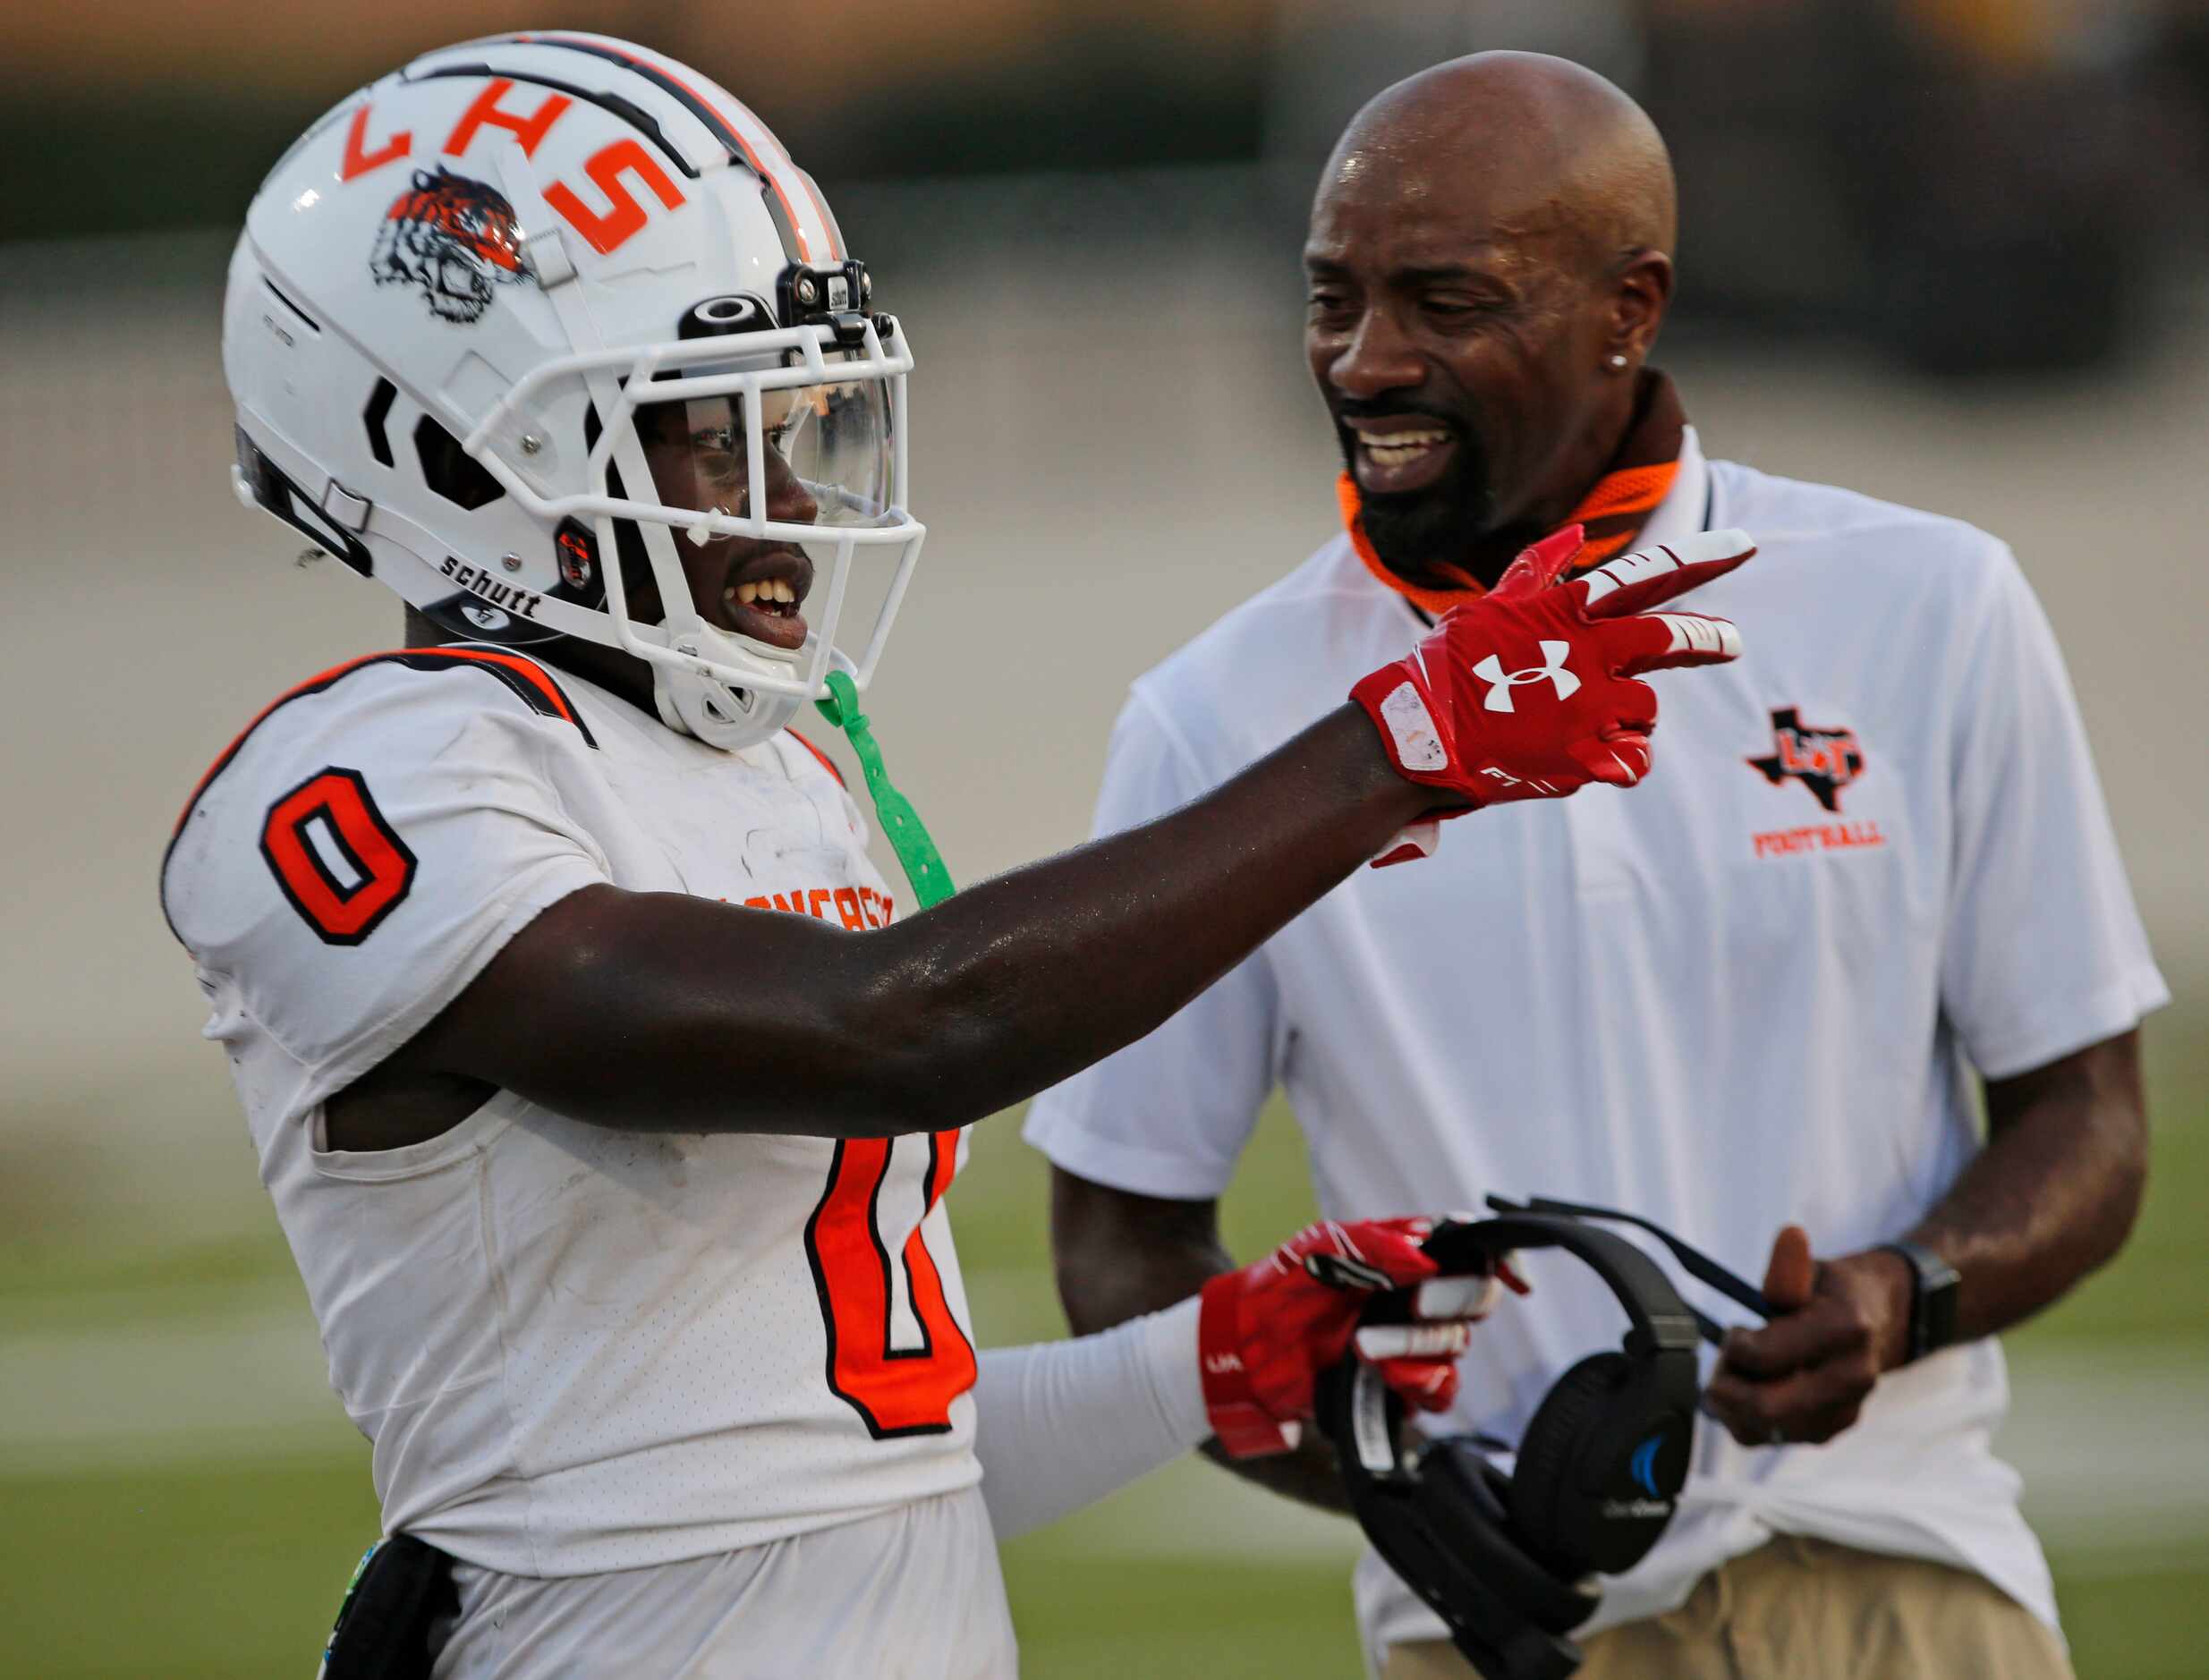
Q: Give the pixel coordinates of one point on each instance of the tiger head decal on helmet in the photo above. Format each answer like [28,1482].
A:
[452,237]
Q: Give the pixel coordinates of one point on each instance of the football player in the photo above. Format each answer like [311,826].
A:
[606,1094]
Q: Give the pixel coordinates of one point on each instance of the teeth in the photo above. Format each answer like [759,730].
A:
[1396,449]
[767,594]
[1387,440]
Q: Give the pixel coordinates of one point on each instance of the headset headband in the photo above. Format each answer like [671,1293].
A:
[1661,1321]
[1693,1260]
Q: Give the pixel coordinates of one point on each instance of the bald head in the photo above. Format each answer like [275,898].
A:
[1545,146]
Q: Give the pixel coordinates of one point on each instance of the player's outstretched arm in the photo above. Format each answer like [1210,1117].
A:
[661,1012]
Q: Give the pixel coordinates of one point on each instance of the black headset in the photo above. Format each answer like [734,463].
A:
[1507,1561]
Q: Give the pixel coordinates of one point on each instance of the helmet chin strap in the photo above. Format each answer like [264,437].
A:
[697,705]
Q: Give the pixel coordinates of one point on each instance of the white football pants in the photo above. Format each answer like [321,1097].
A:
[913,1595]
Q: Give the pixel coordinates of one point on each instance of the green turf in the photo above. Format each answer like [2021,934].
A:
[180,1570]
[235,1571]
[2138,1616]
[1082,1620]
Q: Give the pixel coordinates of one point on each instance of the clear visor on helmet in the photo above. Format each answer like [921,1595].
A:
[826,454]
[760,472]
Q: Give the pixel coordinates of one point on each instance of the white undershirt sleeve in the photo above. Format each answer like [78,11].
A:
[1058,1425]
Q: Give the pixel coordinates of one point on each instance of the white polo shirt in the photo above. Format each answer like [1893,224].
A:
[1873,861]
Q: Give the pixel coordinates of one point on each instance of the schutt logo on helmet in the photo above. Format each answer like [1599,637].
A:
[454,238]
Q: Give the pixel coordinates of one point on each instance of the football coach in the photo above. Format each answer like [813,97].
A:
[1758,1001]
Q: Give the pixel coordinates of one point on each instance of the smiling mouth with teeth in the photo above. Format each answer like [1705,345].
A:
[770,595]
[766,607]
[1401,454]
[1400,449]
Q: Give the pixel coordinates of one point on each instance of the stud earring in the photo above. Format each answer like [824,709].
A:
[1618,362]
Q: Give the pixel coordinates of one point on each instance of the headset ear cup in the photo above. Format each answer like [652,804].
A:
[1555,1439]
[1485,1541]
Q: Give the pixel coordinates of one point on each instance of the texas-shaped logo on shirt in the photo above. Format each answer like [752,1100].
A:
[1824,760]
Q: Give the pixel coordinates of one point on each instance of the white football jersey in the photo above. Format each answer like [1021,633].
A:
[575,1350]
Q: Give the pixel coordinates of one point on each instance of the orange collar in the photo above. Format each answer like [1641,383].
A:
[1433,603]
[1620,504]
[1613,511]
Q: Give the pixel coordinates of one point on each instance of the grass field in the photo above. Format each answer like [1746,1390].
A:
[178,1502]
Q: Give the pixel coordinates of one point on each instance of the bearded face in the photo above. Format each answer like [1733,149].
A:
[1411,528]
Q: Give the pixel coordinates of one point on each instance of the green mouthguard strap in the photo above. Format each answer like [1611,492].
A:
[901,824]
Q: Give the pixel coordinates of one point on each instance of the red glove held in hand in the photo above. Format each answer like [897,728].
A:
[1529,691]
[1264,1334]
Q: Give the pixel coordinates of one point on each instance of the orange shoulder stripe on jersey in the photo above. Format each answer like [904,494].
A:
[827,763]
[524,677]
[528,670]
[322,680]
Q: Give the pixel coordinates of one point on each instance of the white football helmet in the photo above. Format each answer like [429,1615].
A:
[536,304]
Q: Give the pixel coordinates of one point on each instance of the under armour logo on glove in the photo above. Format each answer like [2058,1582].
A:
[1551,669]
[1469,713]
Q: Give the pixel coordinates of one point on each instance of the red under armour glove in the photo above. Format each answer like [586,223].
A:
[1264,1334]
[1529,690]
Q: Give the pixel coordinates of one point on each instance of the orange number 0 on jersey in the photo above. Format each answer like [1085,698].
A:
[895,1391]
[342,865]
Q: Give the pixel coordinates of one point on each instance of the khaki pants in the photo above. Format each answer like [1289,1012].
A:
[1808,1610]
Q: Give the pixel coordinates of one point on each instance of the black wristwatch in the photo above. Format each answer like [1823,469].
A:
[1932,1299]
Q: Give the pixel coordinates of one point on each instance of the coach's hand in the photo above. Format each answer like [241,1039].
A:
[1264,1334]
[1529,690]
[1803,1377]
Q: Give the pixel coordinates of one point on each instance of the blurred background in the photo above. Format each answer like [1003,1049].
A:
[1945,252]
